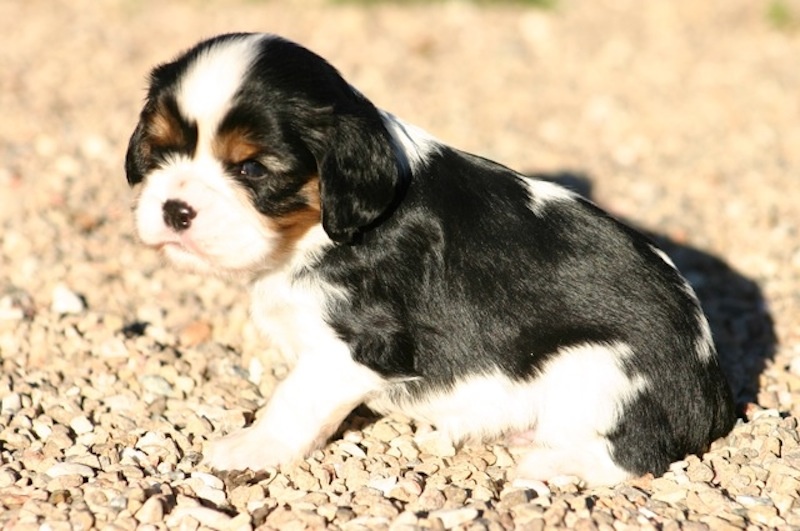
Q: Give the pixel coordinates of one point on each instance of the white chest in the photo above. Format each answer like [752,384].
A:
[289,313]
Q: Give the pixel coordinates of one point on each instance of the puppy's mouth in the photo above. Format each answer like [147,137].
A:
[182,245]
[185,255]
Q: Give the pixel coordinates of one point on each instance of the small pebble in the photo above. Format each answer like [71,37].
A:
[384,432]
[65,301]
[151,511]
[431,499]
[81,425]
[385,485]
[156,384]
[203,515]
[11,403]
[435,443]
[452,518]
[700,472]
[352,449]
[70,469]
[7,477]
[195,333]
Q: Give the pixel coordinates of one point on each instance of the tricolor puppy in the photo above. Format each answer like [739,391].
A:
[393,270]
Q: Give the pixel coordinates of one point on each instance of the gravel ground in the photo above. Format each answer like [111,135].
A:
[679,116]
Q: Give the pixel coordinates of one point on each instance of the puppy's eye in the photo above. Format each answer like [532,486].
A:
[252,169]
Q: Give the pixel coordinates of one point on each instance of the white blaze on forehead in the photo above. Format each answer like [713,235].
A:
[209,85]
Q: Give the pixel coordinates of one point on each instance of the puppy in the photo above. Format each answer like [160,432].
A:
[393,270]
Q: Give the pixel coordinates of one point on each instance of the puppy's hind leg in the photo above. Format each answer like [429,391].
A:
[305,410]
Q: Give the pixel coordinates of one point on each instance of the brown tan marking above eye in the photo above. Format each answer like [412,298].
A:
[234,146]
[164,129]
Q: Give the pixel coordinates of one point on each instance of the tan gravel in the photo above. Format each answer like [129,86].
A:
[680,116]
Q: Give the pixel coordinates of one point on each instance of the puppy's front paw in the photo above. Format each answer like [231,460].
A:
[246,449]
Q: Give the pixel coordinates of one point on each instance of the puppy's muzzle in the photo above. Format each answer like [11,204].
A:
[178,214]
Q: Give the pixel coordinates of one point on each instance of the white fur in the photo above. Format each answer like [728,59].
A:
[289,310]
[565,411]
[661,254]
[306,408]
[324,385]
[543,192]
[208,87]
[704,344]
[413,142]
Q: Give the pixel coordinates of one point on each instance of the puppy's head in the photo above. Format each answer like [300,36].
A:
[245,143]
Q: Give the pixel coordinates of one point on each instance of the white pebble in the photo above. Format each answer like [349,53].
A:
[120,402]
[41,429]
[69,469]
[207,486]
[203,515]
[65,301]
[7,478]
[677,466]
[210,480]
[385,485]
[81,425]
[131,456]
[158,385]
[151,438]
[352,449]
[215,496]
[11,403]
[766,413]
[674,495]
[451,518]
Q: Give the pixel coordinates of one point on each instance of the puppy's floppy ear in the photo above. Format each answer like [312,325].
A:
[359,176]
[136,156]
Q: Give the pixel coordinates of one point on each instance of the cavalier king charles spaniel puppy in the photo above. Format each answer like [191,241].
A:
[393,270]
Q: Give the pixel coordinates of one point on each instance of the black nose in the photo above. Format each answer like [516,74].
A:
[178,214]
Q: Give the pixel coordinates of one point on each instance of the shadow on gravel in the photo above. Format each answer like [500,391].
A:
[735,307]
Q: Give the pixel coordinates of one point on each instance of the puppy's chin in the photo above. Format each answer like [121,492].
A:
[185,260]
[190,261]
